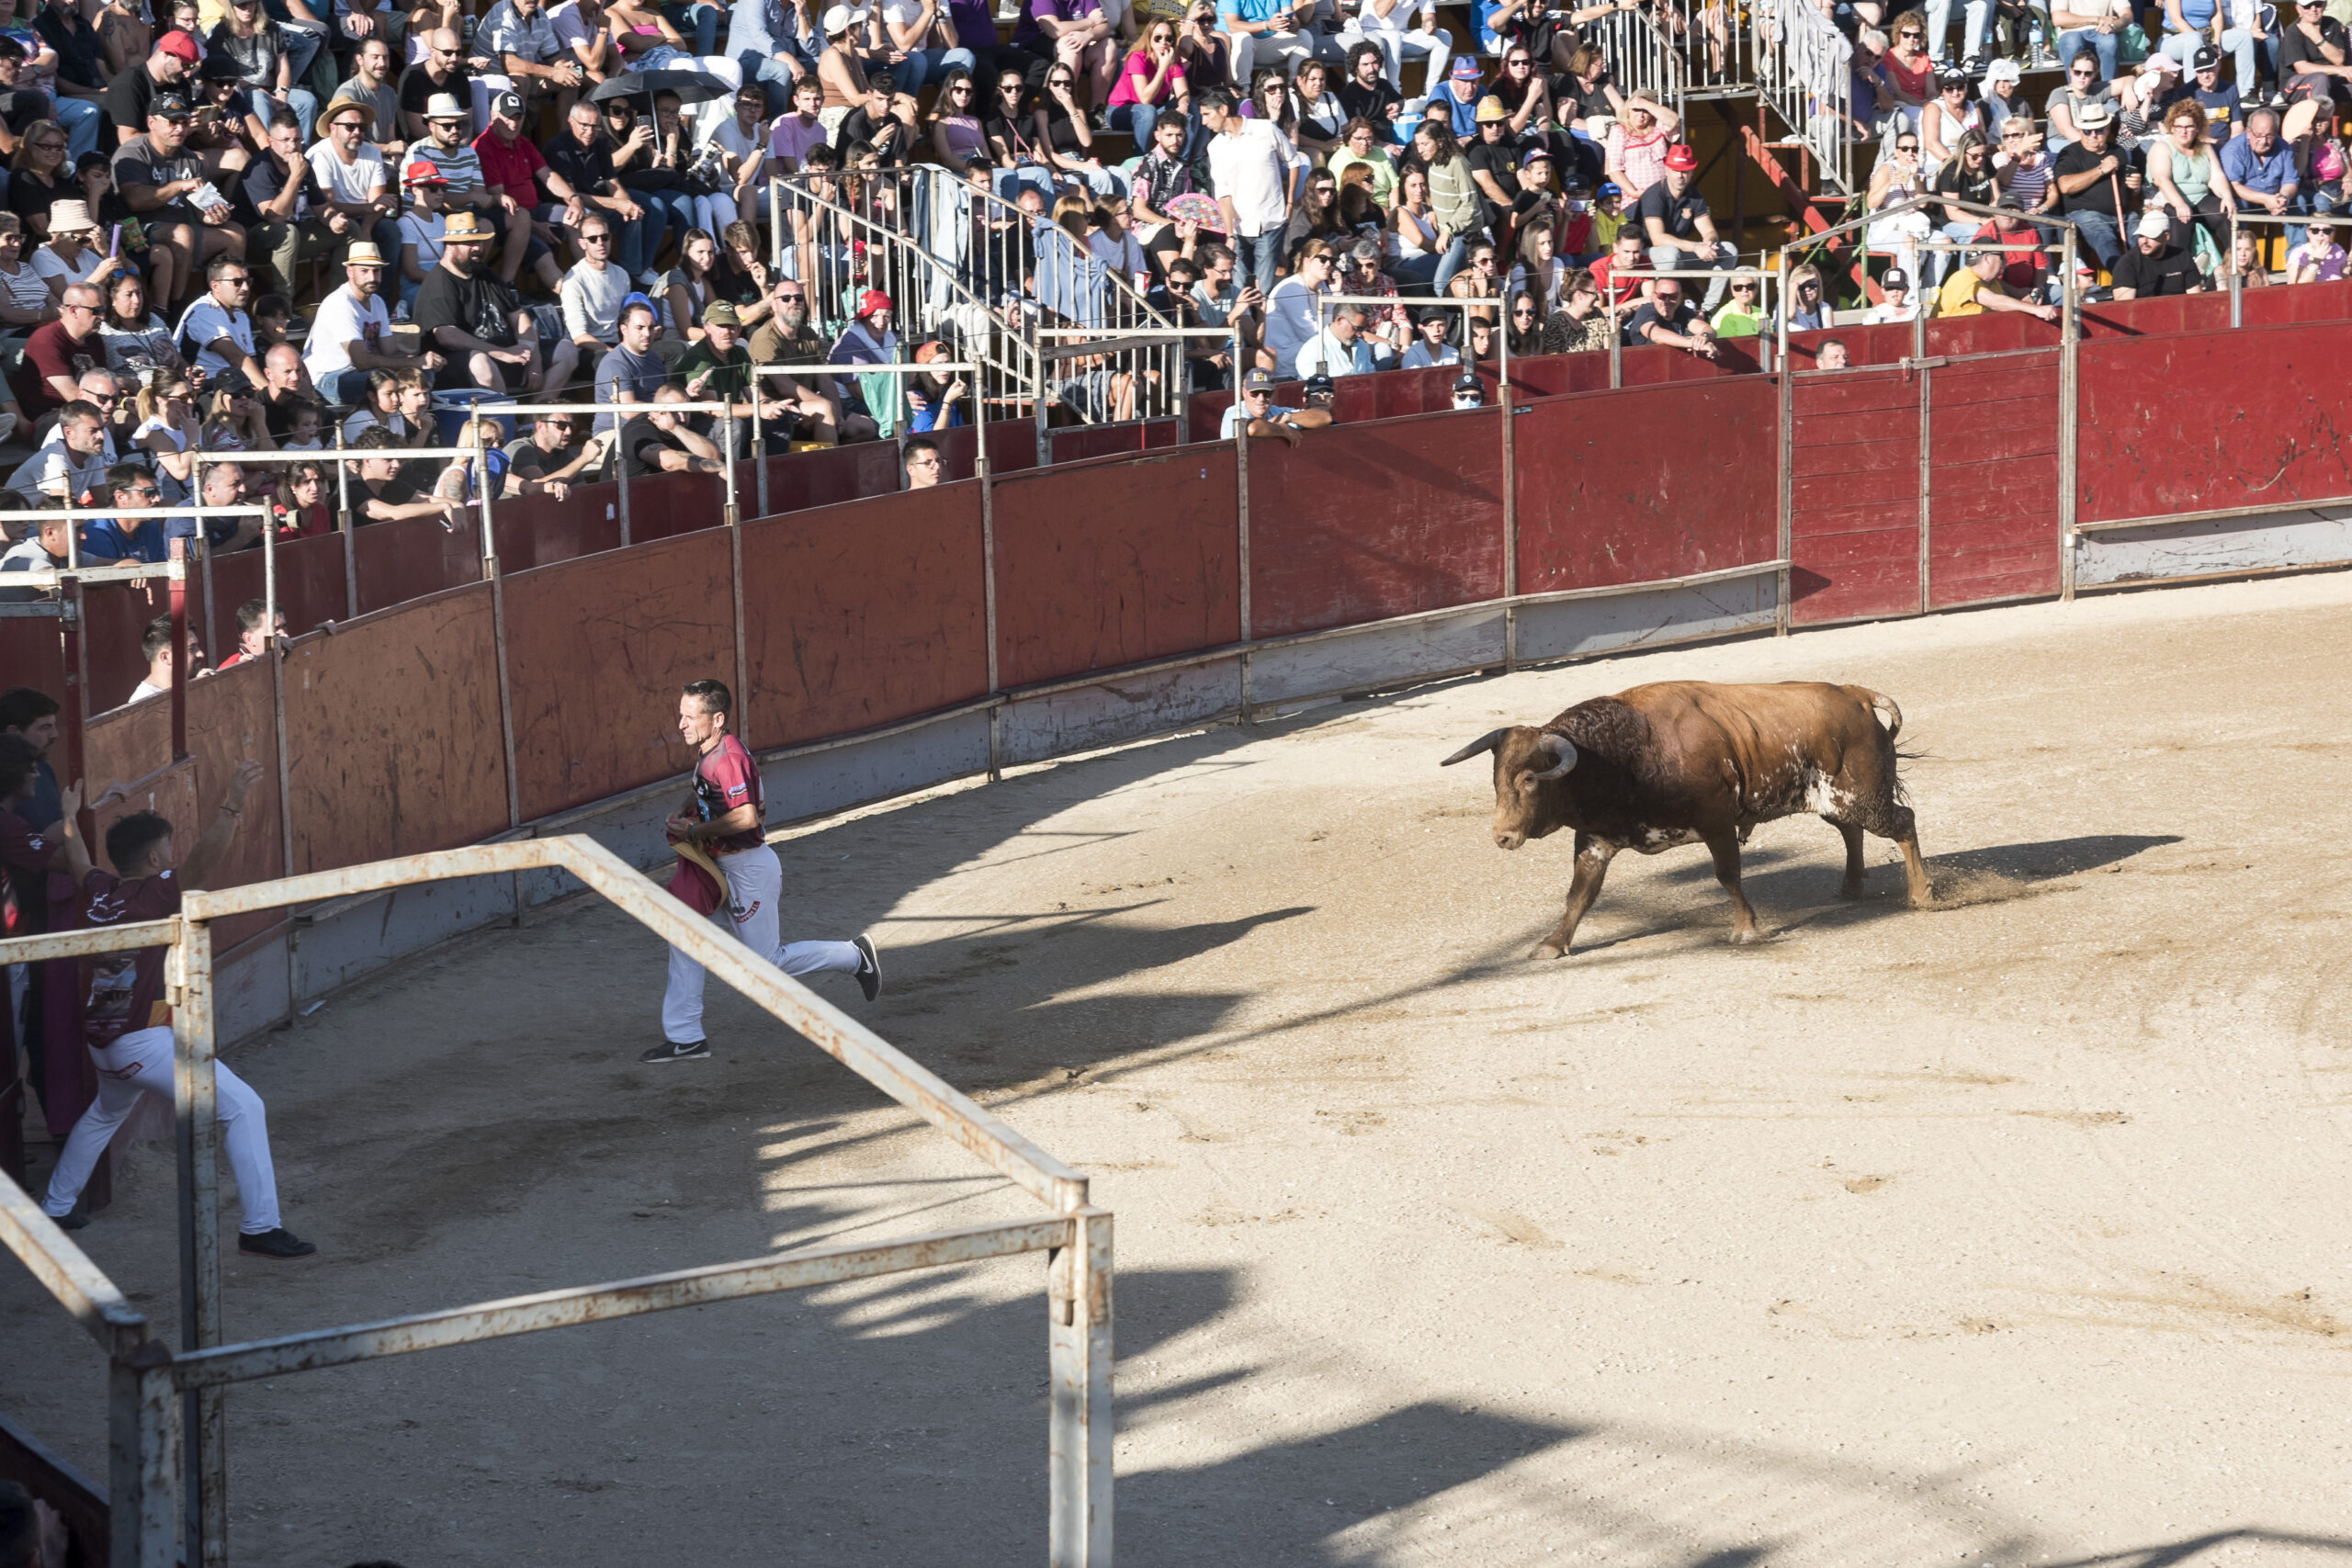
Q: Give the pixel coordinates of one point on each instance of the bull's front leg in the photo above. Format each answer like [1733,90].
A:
[1724,846]
[1592,865]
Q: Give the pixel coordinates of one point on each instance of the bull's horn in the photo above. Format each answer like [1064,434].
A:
[1561,747]
[1486,742]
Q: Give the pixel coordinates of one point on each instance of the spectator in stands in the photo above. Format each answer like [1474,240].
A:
[718,369]
[2156,265]
[2315,56]
[2259,167]
[2319,259]
[155,647]
[1293,318]
[370,86]
[439,70]
[255,630]
[1975,287]
[592,291]
[164,71]
[67,257]
[382,492]
[1151,82]
[1523,325]
[73,466]
[120,539]
[663,440]
[1580,325]
[351,333]
[1743,314]
[632,371]
[521,39]
[921,458]
[2021,168]
[1969,177]
[1668,320]
[354,182]
[2189,185]
[776,41]
[2190,25]
[225,486]
[1265,419]
[1637,144]
[867,340]
[162,178]
[1340,349]
[102,389]
[58,352]
[2094,29]
[254,51]
[1680,229]
[549,458]
[2247,260]
[2004,83]
[285,386]
[300,511]
[2096,188]
[218,326]
[1897,304]
[1432,347]
[46,548]
[470,313]
[1249,165]
[516,170]
[1831,356]
[1950,117]
[1388,26]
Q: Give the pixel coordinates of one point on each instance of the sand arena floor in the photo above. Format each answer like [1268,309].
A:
[2007,1233]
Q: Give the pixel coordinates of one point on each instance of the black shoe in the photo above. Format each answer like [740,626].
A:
[280,1243]
[76,1221]
[869,969]
[671,1051]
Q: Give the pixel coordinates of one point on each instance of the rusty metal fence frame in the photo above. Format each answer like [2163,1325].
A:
[168,1455]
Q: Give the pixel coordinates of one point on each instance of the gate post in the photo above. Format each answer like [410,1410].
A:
[2070,410]
[143,1461]
[1078,1304]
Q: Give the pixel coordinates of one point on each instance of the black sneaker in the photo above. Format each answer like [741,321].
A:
[280,1243]
[869,969]
[76,1221]
[672,1051]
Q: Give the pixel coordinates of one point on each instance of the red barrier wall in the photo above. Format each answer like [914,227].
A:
[538,530]
[1854,511]
[1634,487]
[2213,421]
[666,505]
[1992,485]
[391,723]
[861,615]
[117,616]
[310,586]
[596,649]
[1115,562]
[2304,302]
[1074,443]
[1358,522]
[410,559]
[2171,313]
[236,719]
[33,653]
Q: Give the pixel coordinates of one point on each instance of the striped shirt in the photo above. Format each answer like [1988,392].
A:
[461,165]
[2023,186]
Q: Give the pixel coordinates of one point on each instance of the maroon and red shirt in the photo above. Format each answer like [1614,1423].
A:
[725,779]
[127,988]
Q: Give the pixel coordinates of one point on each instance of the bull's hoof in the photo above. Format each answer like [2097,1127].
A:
[1851,890]
[1923,898]
[1748,937]
[1548,950]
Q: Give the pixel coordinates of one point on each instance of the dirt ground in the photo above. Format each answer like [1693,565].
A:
[2007,1233]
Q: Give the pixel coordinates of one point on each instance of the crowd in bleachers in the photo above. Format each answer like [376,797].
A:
[271,224]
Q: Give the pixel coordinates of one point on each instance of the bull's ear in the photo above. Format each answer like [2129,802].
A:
[1486,742]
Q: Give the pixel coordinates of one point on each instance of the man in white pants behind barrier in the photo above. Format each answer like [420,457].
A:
[128,1022]
[722,822]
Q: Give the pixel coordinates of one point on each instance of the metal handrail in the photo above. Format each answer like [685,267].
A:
[1805,68]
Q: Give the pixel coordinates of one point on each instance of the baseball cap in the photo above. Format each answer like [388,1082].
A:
[1468,382]
[1259,379]
[2153,223]
[1465,68]
[721,315]
[176,43]
[1951,76]
[2093,116]
[167,105]
[840,20]
[1319,386]
[2207,58]
[507,105]
[873,299]
[1896,278]
[1680,157]
[1536,155]
[1491,109]
[424,172]
[1609,188]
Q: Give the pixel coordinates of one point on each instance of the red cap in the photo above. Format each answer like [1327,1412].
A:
[873,299]
[179,43]
[1680,157]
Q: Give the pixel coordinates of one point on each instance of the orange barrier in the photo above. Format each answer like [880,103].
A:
[1637,486]
[592,647]
[1360,523]
[1115,562]
[392,731]
[861,615]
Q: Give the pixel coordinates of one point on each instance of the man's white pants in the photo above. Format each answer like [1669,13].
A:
[143,1060]
[755,883]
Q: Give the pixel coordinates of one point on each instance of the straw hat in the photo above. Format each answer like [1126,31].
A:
[70,217]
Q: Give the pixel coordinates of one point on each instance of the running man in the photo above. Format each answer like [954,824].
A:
[722,825]
[128,1024]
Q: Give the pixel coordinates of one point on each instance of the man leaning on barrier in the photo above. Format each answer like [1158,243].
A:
[127,1023]
[1268,421]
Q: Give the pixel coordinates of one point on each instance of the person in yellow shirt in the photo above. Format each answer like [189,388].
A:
[1973,288]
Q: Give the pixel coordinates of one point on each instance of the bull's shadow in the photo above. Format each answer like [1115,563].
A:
[1794,882]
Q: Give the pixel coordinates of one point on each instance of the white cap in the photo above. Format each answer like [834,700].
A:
[841,19]
[2153,223]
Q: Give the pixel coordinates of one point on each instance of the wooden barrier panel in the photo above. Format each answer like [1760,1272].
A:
[596,650]
[392,727]
[133,740]
[1864,345]
[2148,318]
[666,505]
[411,559]
[1637,486]
[311,587]
[865,612]
[1115,562]
[1854,504]
[1360,523]
[2212,421]
[538,530]
[33,653]
[233,715]
[117,616]
[1993,479]
[1076,443]
[2274,305]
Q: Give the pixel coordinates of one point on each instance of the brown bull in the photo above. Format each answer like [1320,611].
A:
[1690,761]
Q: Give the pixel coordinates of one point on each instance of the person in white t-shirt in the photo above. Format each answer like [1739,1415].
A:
[353,176]
[421,227]
[1294,310]
[216,325]
[67,258]
[351,333]
[744,140]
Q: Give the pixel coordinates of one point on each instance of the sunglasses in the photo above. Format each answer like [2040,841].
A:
[1910,35]
[1906,147]
[595,239]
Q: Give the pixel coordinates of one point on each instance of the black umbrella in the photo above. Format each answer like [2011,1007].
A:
[691,87]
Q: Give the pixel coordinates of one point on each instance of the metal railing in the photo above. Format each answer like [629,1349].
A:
[1643,55]
[164,1448]
[1805,69]
[1718,39]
